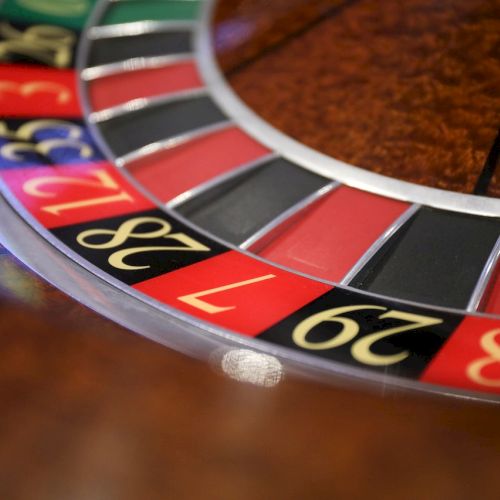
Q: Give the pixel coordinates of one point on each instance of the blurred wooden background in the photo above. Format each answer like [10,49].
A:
[90,411]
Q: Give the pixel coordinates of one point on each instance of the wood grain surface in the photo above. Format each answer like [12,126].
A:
[91,411]
[407,89]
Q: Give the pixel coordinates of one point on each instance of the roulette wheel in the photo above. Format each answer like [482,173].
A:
[304,186]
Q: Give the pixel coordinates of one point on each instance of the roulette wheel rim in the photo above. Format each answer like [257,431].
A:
[203,337]
[181,331]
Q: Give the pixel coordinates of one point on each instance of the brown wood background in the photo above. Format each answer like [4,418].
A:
[408,89]
[91,411]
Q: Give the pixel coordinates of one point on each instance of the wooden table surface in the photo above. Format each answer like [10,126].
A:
[90,411]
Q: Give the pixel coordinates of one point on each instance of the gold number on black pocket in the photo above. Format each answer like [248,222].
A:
[361,349]
[127,230]
[51,45]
